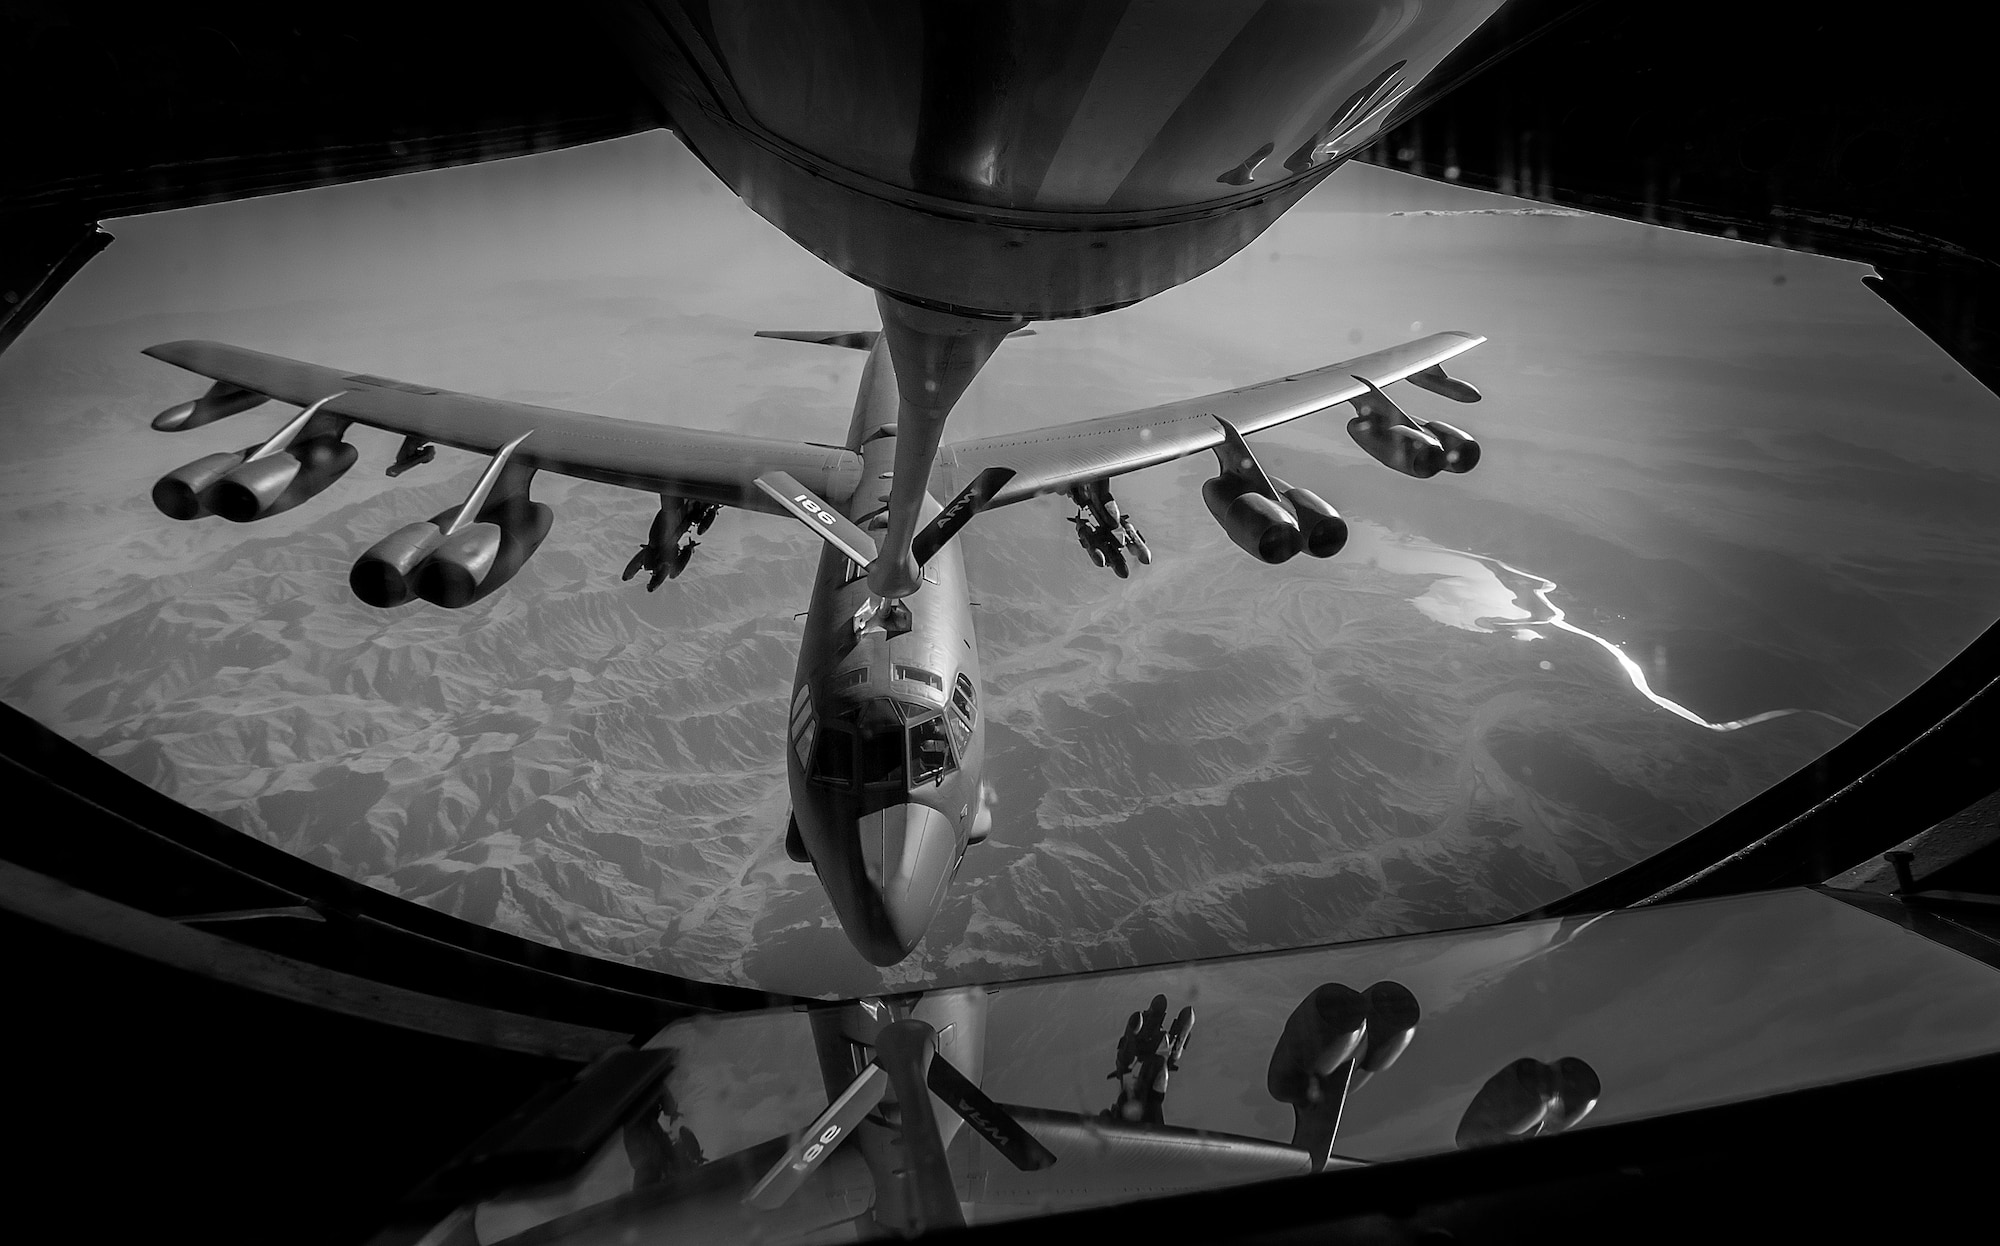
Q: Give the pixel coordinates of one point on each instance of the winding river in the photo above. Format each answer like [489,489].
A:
[1476,592]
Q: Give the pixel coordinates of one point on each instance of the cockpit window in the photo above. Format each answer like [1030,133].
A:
[930,751]
[876,748]
[959,717]
[833,758]
[921,675]
[804,725]
[882,753]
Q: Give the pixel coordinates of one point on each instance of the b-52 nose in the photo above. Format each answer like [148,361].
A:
[908,852]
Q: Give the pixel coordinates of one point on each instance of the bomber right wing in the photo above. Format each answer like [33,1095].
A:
[1095,1156]
[1052,459]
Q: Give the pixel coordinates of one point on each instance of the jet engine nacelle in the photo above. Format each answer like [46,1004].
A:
[1323,531]
[179,493]
[386,575]
[240,488]
[264,487]
[1408,449]
[1261,526]
[480,557]
[1461,452]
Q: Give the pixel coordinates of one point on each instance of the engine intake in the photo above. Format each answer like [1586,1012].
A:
[1404,447]
[268,486]
[1262,527]
[480,557]
[1461,451]
[1323,530]
[179,493]
[385,576]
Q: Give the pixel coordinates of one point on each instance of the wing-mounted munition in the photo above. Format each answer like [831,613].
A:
[1270,519]
[300,460]
[1149,1052]
[460,555]
[1106,533]
[663,555]
[1414,447]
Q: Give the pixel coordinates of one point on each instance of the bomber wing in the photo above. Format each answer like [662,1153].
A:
[657,458]
[1096,1157]
[1050,460]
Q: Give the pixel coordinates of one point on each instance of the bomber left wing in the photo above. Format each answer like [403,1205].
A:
[708,467]
[1062,456]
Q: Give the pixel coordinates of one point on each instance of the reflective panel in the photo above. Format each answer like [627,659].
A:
[1255,1068]
[1102,105]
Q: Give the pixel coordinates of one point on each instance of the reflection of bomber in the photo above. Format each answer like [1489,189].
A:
[888,1064]
[973,203]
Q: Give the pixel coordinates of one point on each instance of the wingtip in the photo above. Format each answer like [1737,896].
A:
[173,352]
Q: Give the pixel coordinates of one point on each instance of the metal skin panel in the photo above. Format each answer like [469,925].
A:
[1008,161]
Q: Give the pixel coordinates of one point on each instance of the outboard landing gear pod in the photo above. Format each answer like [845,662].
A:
[663,554]
[221,401]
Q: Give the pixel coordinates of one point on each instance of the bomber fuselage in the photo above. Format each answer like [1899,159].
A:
[886,742]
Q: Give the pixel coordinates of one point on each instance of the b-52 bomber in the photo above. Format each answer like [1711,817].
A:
[980,167]
[886,742]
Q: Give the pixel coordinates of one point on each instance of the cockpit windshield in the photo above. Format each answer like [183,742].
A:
[930,751]
[880,746]
[882,753]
